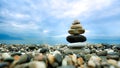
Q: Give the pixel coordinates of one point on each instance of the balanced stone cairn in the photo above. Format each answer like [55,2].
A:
[75,33]
[75,38]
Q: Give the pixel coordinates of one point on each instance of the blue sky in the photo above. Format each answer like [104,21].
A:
[48,21]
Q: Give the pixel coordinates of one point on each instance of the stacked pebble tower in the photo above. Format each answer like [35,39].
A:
[75,33]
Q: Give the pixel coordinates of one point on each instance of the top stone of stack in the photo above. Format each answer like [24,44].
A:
[76,22]
[76,28]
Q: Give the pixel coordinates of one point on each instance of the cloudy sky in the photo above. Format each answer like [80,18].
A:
[48,21]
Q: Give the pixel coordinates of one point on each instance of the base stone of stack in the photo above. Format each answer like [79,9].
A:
[77,45]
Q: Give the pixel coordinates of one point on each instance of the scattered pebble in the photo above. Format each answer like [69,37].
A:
[90,56]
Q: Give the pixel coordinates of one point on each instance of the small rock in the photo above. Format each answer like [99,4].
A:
[43,50]
[91,64]
[76,26]
[24,59]
[17,53]
[76,45]
[87,51]
[113,55]
[10,60]
[69,66]
[74,58]
[87,57]
[58,58]
[3,65]
[113,62]
[102,53]
[105,65]
[51,59]
[76,22]
[118,64]
[39,57]
[64,62]
[80,61]
[94,61]
[67,61]
[55,65]
[37,64]
[5,55]
[93,51]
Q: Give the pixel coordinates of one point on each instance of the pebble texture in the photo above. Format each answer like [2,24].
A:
[61,57]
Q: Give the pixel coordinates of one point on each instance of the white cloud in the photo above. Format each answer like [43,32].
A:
[20,28]
[45,31]
[33,17]
[24,26]
[110,12]
[18,15]
[15,15]
[60,36]
[107,29]
[76,8]
[87,32]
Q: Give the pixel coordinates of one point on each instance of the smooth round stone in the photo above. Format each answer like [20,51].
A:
[76,22]
[91,64]
[93,51]
[68,52]
[80,61]
[76,38]
[111,61]
[76,31]
[115,57]
[102,53]
[105,65]
[76,26]
[118,48]
[106,45]
[24,59]
[3,65]
[87,51]
[43,50]
[9,60]
[32,47]
[87,57]
[5,55]
[36,64]
[51,59]
[58,59]
[17,53]
[39,57]
[68,66]
[55,65]
[76,45]
[81,31]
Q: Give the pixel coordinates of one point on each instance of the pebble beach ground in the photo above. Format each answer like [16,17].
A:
[59,56]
